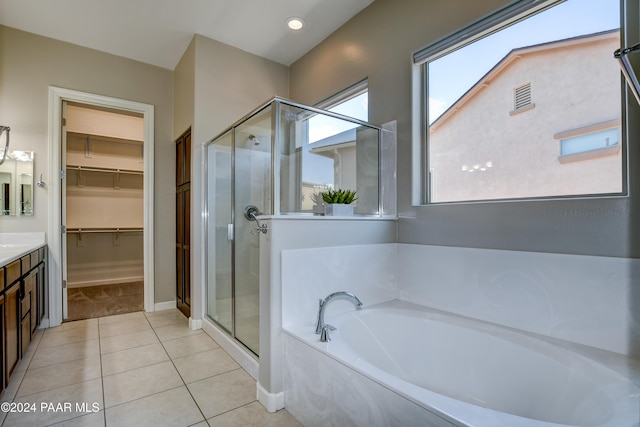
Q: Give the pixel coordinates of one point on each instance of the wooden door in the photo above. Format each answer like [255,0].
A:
[183,222]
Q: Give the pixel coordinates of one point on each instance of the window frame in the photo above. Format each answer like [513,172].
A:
[502,17]
[345,95]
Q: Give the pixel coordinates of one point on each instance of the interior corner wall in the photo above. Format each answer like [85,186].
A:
[29,64]
[228,84]
[378,44]
[184,91]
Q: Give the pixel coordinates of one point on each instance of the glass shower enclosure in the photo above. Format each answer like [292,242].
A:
[276,161]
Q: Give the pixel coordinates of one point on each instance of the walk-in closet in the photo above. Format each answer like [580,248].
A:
[104,211]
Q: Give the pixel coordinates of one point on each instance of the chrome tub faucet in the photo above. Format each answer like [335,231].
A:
[323,329]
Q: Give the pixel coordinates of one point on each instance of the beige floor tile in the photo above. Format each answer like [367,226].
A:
[132,358]
[169,408]
[202,424]
[136,383]
[125,327]
[62,374]
[65,353]
[54,337]
[121,317]
[125,341]
[198,366]
[223,392]
[171,318]
[95,419]
[175,331]
[254,414]
[88,392]
[188,345]
[14,384]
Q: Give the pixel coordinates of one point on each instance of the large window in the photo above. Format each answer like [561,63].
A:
[523,104]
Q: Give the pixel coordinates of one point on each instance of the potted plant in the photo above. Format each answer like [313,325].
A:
[338,202]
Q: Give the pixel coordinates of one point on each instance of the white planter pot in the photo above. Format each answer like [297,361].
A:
[338,209]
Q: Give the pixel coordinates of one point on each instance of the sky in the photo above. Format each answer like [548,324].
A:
[452,75]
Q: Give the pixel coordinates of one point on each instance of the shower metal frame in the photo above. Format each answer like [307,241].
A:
[276,103]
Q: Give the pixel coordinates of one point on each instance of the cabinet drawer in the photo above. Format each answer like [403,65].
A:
[34,258]
[12,272]
[26,263]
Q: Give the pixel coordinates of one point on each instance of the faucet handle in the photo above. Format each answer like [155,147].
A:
[324,335]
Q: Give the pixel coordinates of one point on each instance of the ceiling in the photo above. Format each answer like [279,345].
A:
[158,31]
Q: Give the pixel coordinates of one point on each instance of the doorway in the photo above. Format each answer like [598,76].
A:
[102,206]
[119,235]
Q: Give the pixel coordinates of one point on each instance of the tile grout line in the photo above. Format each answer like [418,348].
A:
[180,375]
[104,405]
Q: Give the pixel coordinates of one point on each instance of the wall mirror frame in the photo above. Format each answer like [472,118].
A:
[16,184]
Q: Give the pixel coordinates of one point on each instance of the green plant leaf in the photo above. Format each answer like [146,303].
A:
[339,196]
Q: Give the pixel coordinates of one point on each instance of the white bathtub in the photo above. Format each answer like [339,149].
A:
[460,371]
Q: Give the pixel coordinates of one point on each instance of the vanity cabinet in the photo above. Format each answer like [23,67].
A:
[22,306]
[12,322]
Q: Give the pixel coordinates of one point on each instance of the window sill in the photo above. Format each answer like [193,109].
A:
[590,155]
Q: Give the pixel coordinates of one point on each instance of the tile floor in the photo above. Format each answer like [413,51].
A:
[136,369]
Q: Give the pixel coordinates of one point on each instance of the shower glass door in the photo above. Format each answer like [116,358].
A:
[238,185]
[220,232]
[252,173]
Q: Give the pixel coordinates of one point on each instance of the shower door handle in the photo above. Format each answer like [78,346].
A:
[230,232]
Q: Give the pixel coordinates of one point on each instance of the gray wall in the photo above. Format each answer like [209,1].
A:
[378,43]
[227,84]
[29,64]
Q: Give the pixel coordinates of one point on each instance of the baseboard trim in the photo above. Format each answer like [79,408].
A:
[167,305]
[195,324]
[271,401]
[103,282]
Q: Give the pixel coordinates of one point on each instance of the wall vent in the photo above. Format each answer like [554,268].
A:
[522,96]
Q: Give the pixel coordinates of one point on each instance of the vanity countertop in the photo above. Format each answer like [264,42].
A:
[16,245]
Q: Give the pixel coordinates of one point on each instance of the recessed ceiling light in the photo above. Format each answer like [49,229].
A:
[295,23]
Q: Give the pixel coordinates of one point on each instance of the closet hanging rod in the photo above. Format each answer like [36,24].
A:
[103,230]
[84,169]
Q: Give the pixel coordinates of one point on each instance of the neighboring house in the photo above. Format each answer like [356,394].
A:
[554,110]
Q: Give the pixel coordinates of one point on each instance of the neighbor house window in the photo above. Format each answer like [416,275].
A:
[552,60]
[602,140]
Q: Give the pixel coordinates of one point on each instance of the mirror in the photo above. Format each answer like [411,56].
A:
[16,184]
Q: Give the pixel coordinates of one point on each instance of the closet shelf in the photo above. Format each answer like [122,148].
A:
[104,230]
[103,138]
[107,170]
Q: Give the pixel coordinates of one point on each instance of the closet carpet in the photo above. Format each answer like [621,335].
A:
[105,300]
